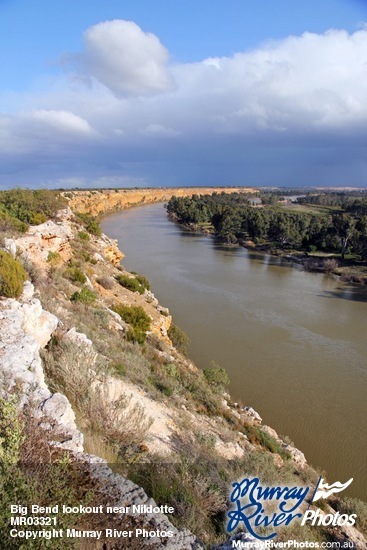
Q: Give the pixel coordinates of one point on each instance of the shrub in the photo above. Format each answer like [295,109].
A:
[31,207]
[11,224]
[119,368]
[30,473]
[72,370]
[164,388]
[85,296]
[75,275]
[135,335]
[330,265]
[179,338]
[137,318]
[12,276]
[83,236]
[90,223]
[258,437]
[130,283]
[53,257]
[216,376]
[143,280]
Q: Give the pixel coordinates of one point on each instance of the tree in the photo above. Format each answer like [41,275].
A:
[344,226]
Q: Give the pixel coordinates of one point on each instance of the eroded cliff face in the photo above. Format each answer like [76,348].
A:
[101,202]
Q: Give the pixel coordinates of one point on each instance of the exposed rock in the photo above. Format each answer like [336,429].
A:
[113,254]
[78,338]
[252,414]
[297,456]
[98,257]
[42,239]
[270,431]
[122,492]
[58,407]
[24,328]
[10,246]
[38,323]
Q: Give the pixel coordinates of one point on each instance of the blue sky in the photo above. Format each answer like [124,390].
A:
[150,92]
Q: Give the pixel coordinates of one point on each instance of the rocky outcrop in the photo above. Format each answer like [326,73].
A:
[100,202]
[24,329]
[44,238]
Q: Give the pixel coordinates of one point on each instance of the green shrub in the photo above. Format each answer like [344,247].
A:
[137,318]
[258,436]
[75,275]
[11,224]
[164,388]
[53,257]
[91,223]
[179,338]
[136,335]
[85,296]
[216,376]
[83,236]
[119,368]
[130,283]
[31,207]
[143,280]
[12,276]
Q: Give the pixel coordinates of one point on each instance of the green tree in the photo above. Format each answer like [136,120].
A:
[344,226]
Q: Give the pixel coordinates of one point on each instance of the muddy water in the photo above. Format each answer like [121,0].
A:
[293,343]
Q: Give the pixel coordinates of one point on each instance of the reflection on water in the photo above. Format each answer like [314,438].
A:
[293,342]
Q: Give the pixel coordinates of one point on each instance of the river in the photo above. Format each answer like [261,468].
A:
[294,343]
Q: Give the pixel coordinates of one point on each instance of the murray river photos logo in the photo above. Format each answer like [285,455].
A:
[255,507]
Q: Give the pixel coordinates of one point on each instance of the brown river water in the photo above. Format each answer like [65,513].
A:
[294,343]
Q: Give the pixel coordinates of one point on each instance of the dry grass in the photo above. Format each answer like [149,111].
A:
[82,376]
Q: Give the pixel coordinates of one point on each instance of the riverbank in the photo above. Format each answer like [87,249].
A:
[347,270]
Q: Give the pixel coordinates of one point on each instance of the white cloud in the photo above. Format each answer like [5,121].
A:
[305,94]
[62,121]
[125,59]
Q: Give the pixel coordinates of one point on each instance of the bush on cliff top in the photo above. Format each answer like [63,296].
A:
[91,223]
[12,276]
[29,207]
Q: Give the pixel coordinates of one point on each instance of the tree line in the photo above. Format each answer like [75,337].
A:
[233,219]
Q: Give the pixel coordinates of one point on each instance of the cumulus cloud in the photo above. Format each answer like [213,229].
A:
[63,121]
[121,56]
[257,117]
[307,81]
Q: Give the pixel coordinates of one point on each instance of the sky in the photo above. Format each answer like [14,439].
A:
[171,93]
